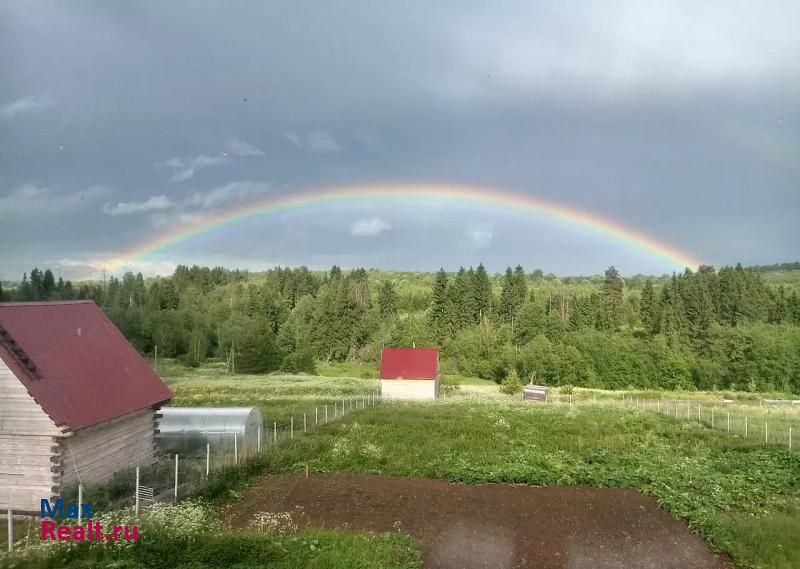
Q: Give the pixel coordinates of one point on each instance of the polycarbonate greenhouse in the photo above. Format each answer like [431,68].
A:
[189,429]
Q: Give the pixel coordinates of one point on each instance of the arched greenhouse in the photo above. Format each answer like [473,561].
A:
[188,430]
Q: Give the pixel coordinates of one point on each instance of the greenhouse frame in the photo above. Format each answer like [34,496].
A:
[189,429]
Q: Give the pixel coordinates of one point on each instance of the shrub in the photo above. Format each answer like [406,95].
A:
[512,384]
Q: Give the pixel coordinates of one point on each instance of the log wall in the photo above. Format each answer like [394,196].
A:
[28,442]
[95,453]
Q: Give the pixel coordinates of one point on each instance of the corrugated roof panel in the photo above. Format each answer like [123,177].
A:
[86,371]
[409,363]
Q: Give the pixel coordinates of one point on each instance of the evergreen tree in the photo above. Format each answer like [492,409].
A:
[387,300]
[48,284]
[512,384]
[257,352]
[612,295]
[440,313]
[649,307]
[459,301]
[481,294]
[25,292]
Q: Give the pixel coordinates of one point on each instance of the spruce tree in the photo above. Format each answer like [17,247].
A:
[439,316]
[612,295]
[648,309]
[481,294]
[387,300]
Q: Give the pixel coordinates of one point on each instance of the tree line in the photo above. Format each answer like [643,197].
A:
[712,328]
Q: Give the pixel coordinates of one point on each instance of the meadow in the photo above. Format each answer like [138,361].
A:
[743,496]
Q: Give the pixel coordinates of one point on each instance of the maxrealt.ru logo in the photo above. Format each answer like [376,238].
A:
[58,510]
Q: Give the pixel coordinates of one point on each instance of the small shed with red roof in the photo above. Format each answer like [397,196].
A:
[77,401]
[410,373]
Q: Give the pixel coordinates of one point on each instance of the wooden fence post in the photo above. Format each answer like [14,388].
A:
[10,529]
[137,492]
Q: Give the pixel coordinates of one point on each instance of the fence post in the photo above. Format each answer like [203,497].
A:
[766,432]
[137,491]
[275,431]
[235,449]
[258,444]
[291,429]
[304,423]
[208,458]
[176,476]
[745,426]
[11,529]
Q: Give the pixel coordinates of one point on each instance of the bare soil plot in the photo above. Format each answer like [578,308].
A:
[497,526]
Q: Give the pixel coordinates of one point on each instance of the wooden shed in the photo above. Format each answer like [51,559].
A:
[77,401]
[410,373]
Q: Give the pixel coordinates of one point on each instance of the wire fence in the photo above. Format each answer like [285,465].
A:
[170,477]
[770,425]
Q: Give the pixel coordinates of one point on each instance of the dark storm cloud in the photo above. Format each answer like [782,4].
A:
[119,121]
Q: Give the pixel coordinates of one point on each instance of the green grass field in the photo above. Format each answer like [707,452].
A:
[742,495]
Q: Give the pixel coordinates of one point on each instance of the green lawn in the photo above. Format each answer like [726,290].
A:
[743,496]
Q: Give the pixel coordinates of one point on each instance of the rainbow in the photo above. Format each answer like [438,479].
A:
[408,192]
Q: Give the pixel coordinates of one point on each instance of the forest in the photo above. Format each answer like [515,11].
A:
[730,328]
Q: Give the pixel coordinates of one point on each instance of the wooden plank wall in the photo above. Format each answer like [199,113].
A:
[28,469]
[99,451]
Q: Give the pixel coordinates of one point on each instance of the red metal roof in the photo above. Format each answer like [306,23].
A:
[409,363]
[86,372]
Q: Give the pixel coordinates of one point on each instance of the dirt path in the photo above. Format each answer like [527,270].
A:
[493,526]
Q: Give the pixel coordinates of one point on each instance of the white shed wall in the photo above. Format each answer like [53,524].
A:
[410,388]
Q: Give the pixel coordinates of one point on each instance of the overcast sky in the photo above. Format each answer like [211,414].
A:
[119,121]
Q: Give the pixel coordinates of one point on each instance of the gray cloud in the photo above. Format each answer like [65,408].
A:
[679,120]
[369,227]
[153,203]
[186,169]
[242,148]
[25,105]
[228,194]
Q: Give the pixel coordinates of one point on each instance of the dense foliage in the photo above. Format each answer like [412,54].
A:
[709,329]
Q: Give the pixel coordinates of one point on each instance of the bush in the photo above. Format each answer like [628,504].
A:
[300,361]
[512,384]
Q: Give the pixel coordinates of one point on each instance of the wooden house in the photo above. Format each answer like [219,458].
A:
[410,373]
[77,401]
